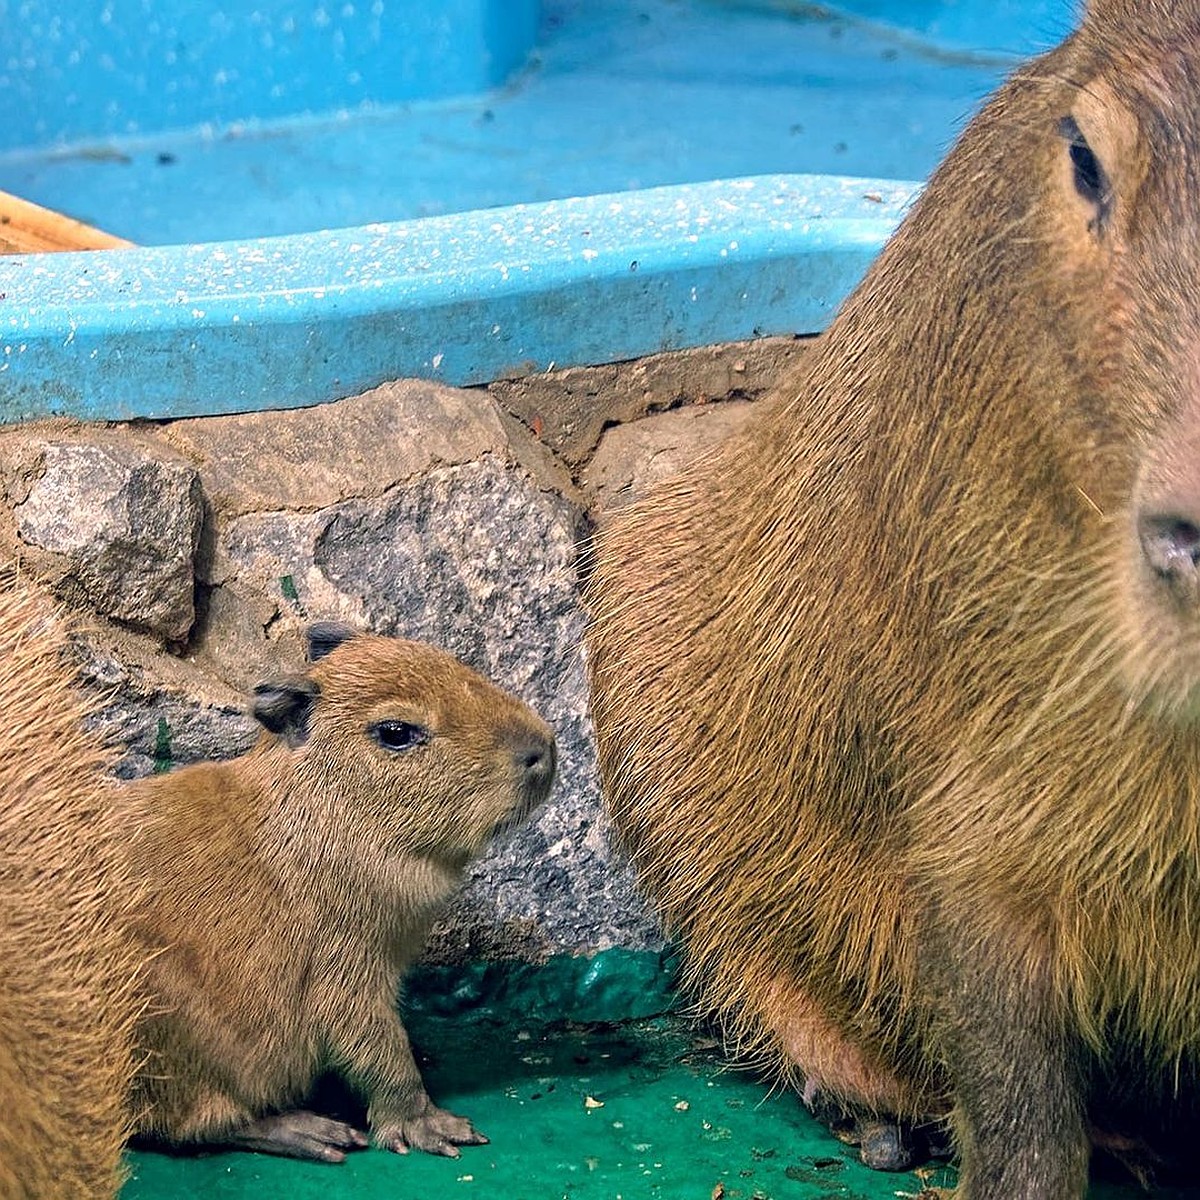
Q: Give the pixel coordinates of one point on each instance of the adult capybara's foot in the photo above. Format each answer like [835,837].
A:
[300,1134]
[885,1143]
[433,1130]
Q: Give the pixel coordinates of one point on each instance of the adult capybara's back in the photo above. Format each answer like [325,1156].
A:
[66,970]
[898,698]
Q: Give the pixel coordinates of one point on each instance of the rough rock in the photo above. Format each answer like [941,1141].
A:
[307,458]
[632,458]
[160,709]
[119,530]
[245,633]
[414,509]
[570,409]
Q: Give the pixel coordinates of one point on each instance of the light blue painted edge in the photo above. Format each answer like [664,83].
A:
[81,73]
[281,322]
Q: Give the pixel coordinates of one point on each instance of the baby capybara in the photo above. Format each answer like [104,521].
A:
[286,892]
[898,698]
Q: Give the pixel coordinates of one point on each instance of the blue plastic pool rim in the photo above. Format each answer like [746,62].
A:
[192,330]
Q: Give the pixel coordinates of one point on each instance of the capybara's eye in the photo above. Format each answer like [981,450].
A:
[398,735]
[1091,182]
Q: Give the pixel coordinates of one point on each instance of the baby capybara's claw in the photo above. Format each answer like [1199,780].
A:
[300,1134]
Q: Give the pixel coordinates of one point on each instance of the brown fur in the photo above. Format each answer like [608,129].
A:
[66,1001]
[897,719]
[288,889]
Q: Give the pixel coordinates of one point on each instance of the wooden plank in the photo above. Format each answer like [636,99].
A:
[27,228]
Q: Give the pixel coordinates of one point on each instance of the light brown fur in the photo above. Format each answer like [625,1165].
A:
[287,891]
[67,1004]
[896,719]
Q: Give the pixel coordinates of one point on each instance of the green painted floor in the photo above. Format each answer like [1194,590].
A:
[590,1112]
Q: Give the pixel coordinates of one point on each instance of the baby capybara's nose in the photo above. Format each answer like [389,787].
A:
[1171,545]
[536,757]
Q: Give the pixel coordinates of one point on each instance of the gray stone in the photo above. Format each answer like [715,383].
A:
[122,528]
[247,633]
[163,716]
[478,559]
[307,458]
[414,509]
[632,458]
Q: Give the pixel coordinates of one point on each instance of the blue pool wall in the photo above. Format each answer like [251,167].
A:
[239,323]
[1003,27]
[281,322]
[89,70]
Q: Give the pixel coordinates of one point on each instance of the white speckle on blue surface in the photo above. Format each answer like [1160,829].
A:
[311,295]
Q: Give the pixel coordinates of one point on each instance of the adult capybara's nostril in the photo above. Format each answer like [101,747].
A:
[1171,545]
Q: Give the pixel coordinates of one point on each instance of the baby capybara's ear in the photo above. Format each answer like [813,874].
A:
[325,636]
[284,706]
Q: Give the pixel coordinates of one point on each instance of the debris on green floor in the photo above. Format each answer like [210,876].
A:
[581,1108]
[643,1109]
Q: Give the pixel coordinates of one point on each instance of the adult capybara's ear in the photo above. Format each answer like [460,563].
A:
[326,636]
[284,706]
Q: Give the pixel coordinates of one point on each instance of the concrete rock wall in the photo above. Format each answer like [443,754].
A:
[196,551]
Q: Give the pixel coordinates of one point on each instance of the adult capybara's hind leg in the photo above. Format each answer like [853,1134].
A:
[847,1087]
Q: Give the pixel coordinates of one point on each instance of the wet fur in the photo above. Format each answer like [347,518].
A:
[66,1001]
[900,739]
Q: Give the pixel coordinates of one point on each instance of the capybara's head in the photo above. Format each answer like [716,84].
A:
[1130,127]
[405,750]
[1059,248]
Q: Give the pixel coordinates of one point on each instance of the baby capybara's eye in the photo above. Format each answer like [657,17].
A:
[398,736]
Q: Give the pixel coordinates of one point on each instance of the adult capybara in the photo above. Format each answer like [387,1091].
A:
[898,697]
[67,1001]
[286,891]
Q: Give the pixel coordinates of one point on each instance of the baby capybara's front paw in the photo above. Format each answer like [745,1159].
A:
[428,1128]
